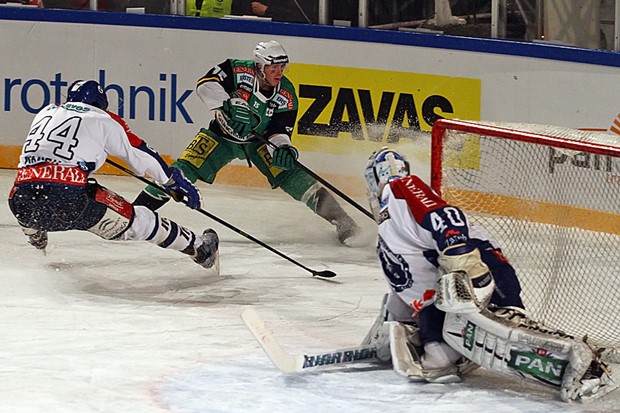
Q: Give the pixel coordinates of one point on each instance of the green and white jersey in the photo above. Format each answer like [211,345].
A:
[276,109]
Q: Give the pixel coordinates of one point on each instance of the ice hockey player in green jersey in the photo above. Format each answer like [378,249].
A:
[250,100]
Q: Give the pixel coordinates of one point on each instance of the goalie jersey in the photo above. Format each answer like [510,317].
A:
[415,225]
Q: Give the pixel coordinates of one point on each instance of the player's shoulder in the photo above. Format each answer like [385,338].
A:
[409,184]
[287,90]
[84,111]
[241,63]
[419,197]
[286,84]
[230,66]
[47,110]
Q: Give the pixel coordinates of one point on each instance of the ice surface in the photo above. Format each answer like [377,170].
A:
[99,326]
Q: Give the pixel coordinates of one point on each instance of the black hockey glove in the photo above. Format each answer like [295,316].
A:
[284,157]
[179,188]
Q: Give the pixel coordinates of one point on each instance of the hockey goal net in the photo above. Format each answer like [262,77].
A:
[551,197]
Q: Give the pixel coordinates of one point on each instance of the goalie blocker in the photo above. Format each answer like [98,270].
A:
[506,341]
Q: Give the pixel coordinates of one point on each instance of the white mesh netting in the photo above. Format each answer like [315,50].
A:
[551,197]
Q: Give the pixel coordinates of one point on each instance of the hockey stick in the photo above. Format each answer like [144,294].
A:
[288,363]
[324,273]
[323,181]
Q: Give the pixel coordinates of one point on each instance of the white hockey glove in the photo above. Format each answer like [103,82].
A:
[467,284]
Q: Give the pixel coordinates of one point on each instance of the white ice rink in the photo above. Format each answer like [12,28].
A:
[112,327]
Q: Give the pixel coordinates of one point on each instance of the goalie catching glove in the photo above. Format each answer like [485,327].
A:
[180,188]
[467,284]
[236,118]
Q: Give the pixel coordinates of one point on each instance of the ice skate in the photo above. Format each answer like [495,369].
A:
[328,209]
[346,229]
[36,238]
[208,254]
[439,363]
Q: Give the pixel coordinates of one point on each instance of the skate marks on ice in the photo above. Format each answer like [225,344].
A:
[144,273]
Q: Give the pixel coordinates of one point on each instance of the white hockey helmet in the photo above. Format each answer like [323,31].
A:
[269,53]
[383,166]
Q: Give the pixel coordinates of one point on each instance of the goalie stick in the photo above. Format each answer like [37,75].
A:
[288,363]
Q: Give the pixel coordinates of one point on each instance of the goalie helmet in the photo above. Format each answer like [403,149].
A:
[88,91]
[383,166]
[269,53]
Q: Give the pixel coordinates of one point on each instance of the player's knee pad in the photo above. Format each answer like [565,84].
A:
[118,216]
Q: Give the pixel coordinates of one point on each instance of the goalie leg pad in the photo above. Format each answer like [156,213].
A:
[405,358]
[379,335]
[499,345]
[574,382]
[519,347]
[407,362]
[611,355]
[590,376]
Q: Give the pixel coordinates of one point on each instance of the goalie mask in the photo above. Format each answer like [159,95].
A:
[383,166]
[88,91]
[269,53]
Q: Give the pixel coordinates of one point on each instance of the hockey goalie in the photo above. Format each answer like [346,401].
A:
[454,303]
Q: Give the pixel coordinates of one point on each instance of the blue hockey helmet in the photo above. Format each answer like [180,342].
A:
[88,91]
[383,166]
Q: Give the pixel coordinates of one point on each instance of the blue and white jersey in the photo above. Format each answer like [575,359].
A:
[415,226]
[79,135]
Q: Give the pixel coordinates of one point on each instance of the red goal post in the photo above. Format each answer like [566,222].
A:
[551,197]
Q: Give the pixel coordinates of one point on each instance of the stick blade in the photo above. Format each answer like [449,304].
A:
[324,274]
[276,353]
